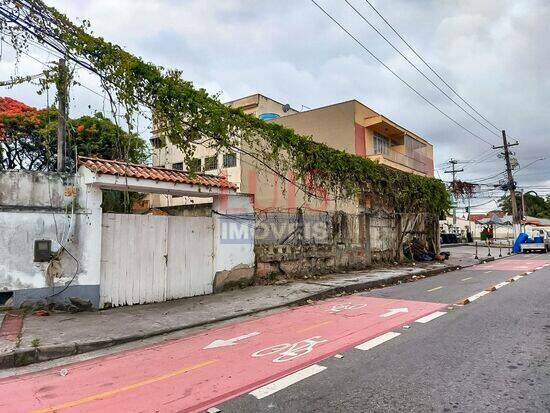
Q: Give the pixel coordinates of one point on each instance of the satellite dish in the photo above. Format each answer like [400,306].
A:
[286,108]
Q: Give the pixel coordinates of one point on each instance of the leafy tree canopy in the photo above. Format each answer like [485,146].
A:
[28,138]
[535,206]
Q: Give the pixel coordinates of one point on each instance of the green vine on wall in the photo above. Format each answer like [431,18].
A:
[186,115]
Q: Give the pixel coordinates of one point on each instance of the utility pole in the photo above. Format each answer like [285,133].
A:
[511,185]
[62,99]
[454,171]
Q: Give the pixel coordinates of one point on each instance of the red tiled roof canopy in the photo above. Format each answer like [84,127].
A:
[132,170]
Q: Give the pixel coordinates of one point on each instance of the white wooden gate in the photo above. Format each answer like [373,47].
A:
[146,258]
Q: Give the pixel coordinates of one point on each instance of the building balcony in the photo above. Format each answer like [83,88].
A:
[403,162]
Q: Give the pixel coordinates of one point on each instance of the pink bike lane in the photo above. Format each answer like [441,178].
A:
[194,373]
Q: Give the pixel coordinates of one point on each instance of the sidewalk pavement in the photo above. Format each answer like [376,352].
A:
[64,334]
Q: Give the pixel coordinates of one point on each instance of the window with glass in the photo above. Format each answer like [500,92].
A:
[178,165]
[229,160]
[210,163]
[381,144]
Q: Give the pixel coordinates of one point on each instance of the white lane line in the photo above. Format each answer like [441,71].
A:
[529,272]
[538,268]
[367,345]
[466,279]
[213,410]
[289,380]
[430,317]
[517,277]
[487,272]
[546,265]
[478,295]
[435,289]
[502,284]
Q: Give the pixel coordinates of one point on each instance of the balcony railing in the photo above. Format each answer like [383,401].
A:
[416,164]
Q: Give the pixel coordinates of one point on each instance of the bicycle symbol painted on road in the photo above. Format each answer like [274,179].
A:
[288,351]
[345,306]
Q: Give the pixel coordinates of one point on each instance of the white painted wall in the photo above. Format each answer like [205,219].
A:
[37,209]
[233,232]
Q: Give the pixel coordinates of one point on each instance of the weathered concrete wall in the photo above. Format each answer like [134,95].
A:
[318,243]
[233,241]
[33,207]
[306,244]
[383,236]
[28,189]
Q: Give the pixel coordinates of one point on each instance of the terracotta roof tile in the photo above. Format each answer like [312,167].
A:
[132,170]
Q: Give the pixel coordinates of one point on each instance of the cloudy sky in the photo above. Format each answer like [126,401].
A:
[493,52]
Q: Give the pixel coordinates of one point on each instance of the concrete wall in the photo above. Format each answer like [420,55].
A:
[33,190]
[234,257]
[34,207]
[308,243]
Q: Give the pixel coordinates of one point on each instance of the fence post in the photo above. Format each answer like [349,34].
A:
[500,251]
[489,250]
[509,248]
[476,257]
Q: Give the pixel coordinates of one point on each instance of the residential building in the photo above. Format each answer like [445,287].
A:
[167,155]
[349,126]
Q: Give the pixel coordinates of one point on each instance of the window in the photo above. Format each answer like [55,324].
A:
[156,143]
[229,160]
[210,163]
[178,165]
[195,165]
[381,144]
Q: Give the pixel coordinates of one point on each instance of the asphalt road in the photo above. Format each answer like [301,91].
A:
[490,355]
[408,347]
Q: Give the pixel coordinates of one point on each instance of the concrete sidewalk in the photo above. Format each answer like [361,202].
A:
[65,334]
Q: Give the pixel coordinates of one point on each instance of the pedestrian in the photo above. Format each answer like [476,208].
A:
[490,234]
[484,234]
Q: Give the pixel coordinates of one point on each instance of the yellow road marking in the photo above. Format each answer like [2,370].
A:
[435,289]
[109,393]
[314,326]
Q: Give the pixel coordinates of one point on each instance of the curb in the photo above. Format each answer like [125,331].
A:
[25,356]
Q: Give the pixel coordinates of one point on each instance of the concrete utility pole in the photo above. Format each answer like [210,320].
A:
[454,171]
[62,99]
[511,186]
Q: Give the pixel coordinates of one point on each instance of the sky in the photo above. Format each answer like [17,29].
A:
[492,52]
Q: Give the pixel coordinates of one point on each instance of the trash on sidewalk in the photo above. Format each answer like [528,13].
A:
[41,313]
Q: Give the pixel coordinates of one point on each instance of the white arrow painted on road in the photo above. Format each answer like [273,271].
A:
[394,311]
[231,341]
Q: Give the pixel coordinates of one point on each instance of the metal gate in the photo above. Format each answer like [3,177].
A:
[147,258]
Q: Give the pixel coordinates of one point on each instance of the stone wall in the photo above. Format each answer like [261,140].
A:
[315,243]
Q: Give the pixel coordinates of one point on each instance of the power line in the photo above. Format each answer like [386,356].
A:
[418,69]
[362,45]
[429,66]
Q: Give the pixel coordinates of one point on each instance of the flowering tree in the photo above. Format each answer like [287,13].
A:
[22,142]
[28,138]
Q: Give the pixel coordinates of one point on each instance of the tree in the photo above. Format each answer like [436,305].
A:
[28,141]
[535,206]
[28,138]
